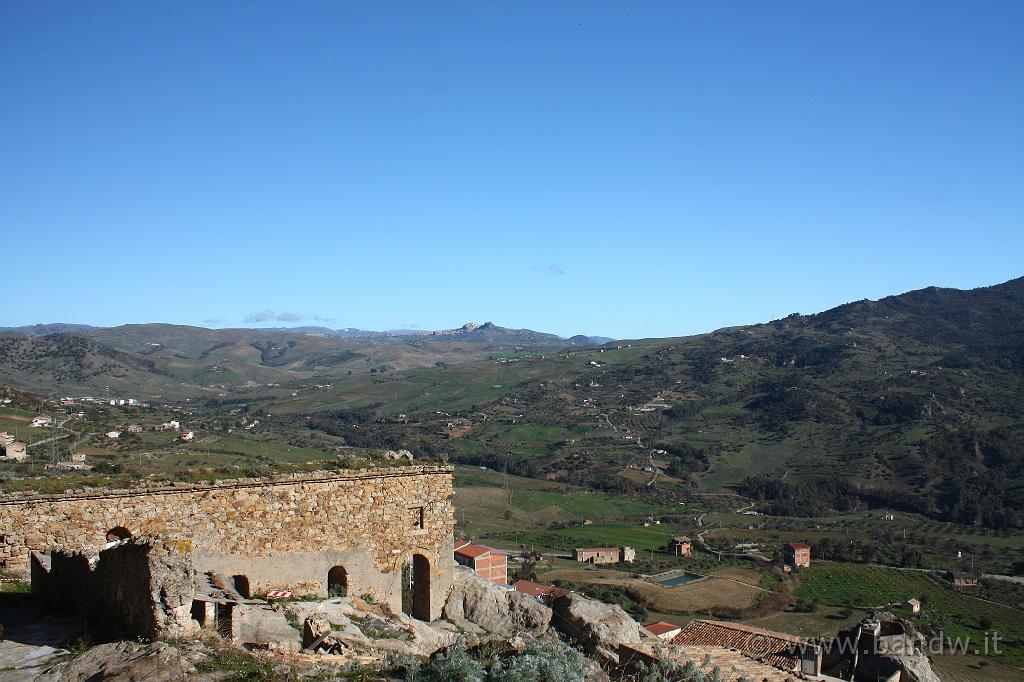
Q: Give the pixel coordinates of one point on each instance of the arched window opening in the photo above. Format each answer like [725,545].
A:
[115,535]
[241,585]
[337,582]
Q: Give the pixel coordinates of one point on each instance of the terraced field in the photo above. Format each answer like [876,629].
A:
[956,614]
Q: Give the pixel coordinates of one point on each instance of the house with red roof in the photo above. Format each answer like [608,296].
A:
[797,554]
[663,630]
[488,563]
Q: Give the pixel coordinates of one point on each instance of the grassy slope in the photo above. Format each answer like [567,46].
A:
[957,614]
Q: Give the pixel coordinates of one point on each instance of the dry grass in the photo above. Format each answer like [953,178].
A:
[826,621]
[966,668]
[696,596]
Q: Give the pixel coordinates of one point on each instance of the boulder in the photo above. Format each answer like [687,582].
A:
[497,611]
[597,627]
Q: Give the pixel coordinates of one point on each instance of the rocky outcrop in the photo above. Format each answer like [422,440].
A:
[397,454]
[494,610]
[908,654]
[597,627]
[123,662]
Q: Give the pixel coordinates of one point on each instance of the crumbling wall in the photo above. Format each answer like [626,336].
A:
[141,587]
[280,533]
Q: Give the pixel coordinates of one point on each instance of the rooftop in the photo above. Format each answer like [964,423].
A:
[774,648]
[533,589]
[661,627]
[732,665]
[473,551]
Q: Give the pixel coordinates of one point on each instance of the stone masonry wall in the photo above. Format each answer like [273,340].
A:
[281,533]
[141,587]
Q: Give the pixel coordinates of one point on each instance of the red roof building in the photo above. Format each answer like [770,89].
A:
[484,561]
[797,554]
[536,590]
[663,630]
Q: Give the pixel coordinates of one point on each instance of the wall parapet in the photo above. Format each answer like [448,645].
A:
[170,488]
[361,526]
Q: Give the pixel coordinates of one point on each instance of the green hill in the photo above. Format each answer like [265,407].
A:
[912,402]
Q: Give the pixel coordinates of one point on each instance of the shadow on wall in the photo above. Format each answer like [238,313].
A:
[139,587]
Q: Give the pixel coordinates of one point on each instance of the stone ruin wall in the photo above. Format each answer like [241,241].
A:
[281,533]
[142,587]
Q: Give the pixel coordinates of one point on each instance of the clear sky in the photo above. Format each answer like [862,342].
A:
[624,169]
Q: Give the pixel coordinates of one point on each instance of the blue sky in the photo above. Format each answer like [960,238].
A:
[642,170]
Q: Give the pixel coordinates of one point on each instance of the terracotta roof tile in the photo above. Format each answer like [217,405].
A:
[774,648]
[473,551]
[533,589]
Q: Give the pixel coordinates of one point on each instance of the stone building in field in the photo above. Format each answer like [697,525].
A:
[680,545]
[963,579]
[381,532]
[604,555]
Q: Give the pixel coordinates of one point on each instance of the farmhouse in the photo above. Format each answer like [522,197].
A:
[797,554]
[604,555]
[680,545]
[367,531]
[486,562]
[962,579]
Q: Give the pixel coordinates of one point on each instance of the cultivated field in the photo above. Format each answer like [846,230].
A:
[954,613]
[731,587]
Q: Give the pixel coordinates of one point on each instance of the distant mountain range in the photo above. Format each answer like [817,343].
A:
[470,331]
[177,361]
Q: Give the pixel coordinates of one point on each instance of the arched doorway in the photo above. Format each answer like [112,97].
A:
[116,535]
[241,585]
[419,587]
[337,582]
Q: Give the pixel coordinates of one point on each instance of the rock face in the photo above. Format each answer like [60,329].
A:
[909,658]
[497,611]
[597,627]
[123,662]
